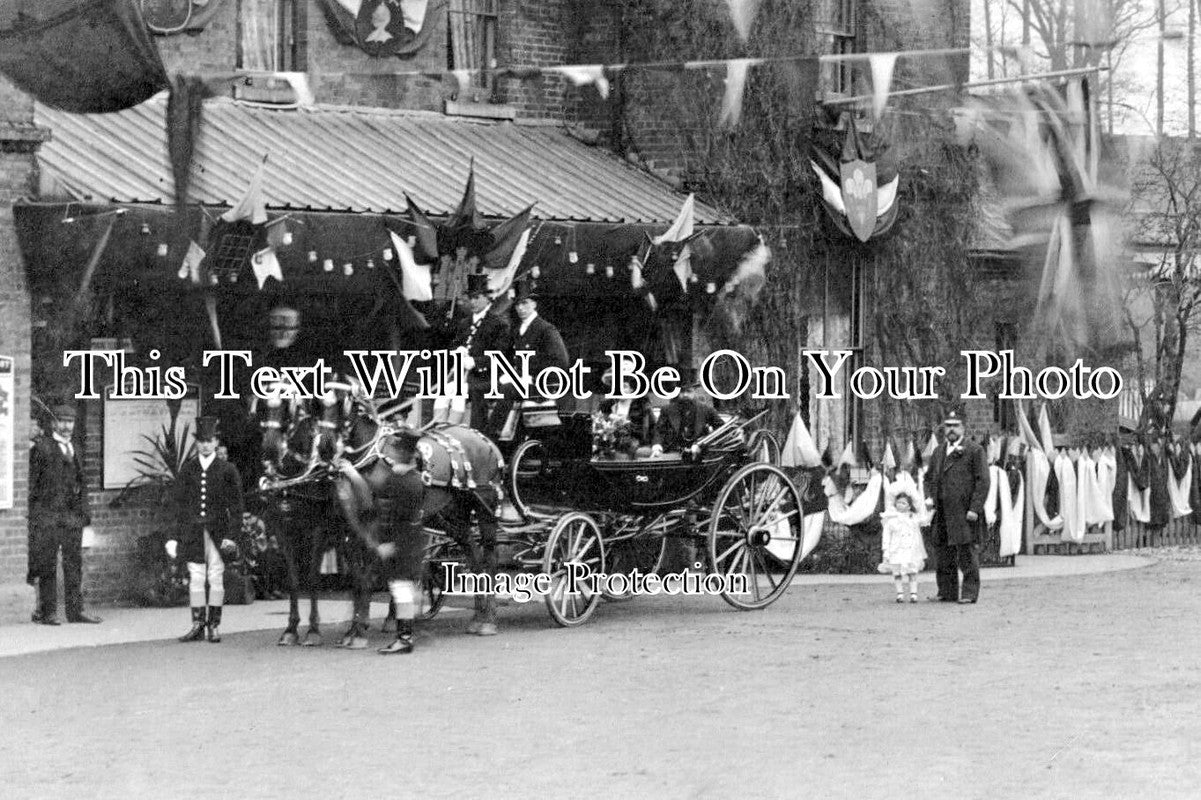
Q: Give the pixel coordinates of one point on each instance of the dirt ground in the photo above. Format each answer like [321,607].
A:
[1067,687]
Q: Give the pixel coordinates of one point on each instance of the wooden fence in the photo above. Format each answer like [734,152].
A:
[1176,533]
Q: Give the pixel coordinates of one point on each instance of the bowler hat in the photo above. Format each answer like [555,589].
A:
[206,429]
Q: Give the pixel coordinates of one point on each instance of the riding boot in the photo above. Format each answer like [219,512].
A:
[214,634]
[404,639]
[197,632]
[487,626]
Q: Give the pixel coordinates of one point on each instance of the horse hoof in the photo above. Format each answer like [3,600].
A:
[356,643]
[288,639]
[312,640]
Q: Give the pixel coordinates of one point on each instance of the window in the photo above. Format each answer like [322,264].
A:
[836,32]
[267,35]
[472,42]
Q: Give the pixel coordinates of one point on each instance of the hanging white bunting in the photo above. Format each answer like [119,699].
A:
[265,265]
[584,74]
[731,101]
[416,281]
[742,15]
[882,65]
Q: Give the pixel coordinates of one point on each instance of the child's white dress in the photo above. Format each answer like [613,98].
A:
[904,550]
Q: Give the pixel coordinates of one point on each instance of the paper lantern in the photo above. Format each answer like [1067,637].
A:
[328,265]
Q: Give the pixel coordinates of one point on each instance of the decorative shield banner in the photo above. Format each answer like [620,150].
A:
[389,27]
[859,197]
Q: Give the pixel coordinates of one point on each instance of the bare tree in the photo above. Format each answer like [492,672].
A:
[1163,308]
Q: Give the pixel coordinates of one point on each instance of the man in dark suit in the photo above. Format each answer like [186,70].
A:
[536,336]
[58,514]
[956,486]
[685,419]
[475,335]
[208,506]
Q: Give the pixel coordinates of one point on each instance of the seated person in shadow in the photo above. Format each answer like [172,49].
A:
[687,418]
[623,429]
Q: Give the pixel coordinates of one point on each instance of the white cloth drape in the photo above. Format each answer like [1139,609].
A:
[1039,471]
[1178,490]
[861,508]
[1069,500]
[1012,513]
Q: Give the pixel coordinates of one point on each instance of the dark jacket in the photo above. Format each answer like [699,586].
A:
[642,423]
[543,340]
[957,485]
[211,499]
[684,421]
[57,492]
[492,333]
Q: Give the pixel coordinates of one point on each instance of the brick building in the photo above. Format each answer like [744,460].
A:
[619,161]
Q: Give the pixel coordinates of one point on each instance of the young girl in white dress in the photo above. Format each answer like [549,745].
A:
[904,550]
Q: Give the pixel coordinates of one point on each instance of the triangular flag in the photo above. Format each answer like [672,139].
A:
[931,446]
[1028,434]
[636,279]
[251,207]
[682,227]
[467,214]
[190,269]
[889,461]
[427,234]
[416,283]
[742,14]
[505,237]
[881,65]
[584,74]
[499,281]
[848,456]
[266,265]
[731,101]
[799,449]
[751,274]
[1044,429]
[909,456]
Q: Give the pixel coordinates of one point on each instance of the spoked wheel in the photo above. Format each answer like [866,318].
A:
[762,446]
[643,552]
[433,584]
[574,544]
[526,468]
[759,507]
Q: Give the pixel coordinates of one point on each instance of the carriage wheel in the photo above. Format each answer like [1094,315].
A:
[763,446]
[643,551]
[527,464]
[758,506]
[574,542]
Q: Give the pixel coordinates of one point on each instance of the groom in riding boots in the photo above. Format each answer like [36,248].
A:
[208,505]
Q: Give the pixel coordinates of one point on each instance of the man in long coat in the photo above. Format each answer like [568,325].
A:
[208,507]
[476,334]
[58,513]
[536,336]
[957,485]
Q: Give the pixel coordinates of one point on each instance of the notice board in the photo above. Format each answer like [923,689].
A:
[127,423]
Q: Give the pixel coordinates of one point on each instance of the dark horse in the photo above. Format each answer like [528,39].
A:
[299,441]
[401,481]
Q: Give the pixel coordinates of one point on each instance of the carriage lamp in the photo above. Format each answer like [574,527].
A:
[348,268]
[183,272]
[371,263]
[287,237]
[558,240]
[312,256]
[328,265]
[573,257]
[608,270]
[233,277]
[590,269]
[710,287]
[145,228]
[163,249]
[536,271]
[213,279]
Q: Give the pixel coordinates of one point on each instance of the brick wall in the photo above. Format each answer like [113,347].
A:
[17,174]
[535,33]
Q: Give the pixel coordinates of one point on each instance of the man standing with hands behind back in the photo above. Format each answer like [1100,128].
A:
[208,504]
[957,485]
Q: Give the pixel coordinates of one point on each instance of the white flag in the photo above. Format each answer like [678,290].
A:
[584,74]
[881,65]
[731,101]
[266,265]
[252,206]
[415,279]
[190,269]
[742,14]
[799,449]
[500,280]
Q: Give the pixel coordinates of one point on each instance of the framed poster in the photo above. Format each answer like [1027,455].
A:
[7,445]
[130,427]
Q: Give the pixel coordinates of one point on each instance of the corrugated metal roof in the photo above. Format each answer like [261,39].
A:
[340,159]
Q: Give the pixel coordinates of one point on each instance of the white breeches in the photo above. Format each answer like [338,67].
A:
[211,571]
[404,595]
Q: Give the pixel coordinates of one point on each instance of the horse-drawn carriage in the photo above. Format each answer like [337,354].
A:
[571,513]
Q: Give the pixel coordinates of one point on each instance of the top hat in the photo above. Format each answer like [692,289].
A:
[63,412]
[477,283]
[206,429]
